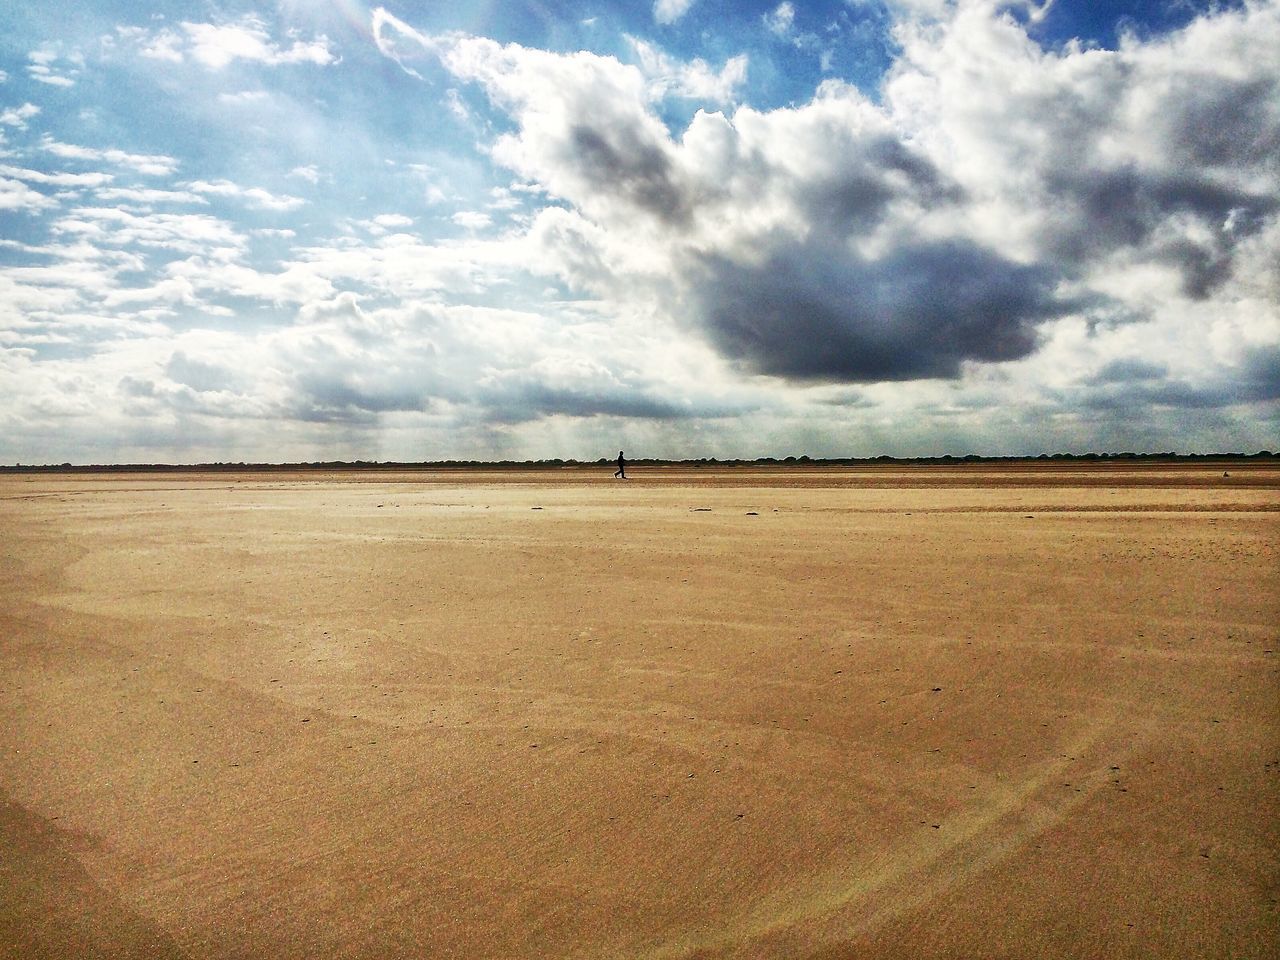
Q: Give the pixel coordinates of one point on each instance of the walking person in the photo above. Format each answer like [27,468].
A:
[622,467]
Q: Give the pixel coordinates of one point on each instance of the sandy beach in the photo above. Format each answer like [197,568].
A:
[903,712]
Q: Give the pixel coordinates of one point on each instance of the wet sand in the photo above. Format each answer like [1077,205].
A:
[930,712]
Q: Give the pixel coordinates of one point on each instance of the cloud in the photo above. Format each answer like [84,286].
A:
[165,45]
[156,165]
[694,80]
[40,66]
[806,314]
[575,386]
[1132,387]
[148,196]
[179,232]
[18,116]
[16,195]
[1005,246]
[472,219]
[993,188]
[1142,153]
[781,19]
[57,179]
[217,45]
[243,97]
[295,284]
[385,223]
[669,11]
[586,130]
[385,40]
[254,197]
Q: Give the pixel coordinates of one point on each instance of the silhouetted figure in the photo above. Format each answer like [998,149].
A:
[622,467]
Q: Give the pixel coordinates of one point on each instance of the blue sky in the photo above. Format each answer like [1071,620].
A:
[323,229]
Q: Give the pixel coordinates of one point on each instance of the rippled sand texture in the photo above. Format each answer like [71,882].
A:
[896,713]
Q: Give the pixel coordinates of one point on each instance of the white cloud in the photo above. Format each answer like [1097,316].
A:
[453,100]
[385,223]
[309,173]
[503,199]
[782,18]
[386,40]
[165,45]
[695,80]
[147,196]
[41,66]
[198,234]
[18,116]
[215,46]
[582,117]
[255,197]
[57,179]
[156,165]
[243,97]
[997,188]
[16,195]
[1007,246]
[472,219]
[669,11]
[297,283]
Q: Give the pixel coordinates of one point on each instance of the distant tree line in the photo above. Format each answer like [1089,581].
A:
[556,463]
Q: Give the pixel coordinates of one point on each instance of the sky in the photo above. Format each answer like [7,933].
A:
[295,230]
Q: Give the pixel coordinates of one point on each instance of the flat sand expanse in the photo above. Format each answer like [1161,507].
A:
[960,712]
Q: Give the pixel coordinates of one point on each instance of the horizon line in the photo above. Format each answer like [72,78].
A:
[561,463]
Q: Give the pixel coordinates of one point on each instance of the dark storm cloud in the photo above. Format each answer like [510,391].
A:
[809,313]
[857,196]
[1127,370]
[336,398]
[1124,208]
[1130,386]
[509,396]
[531,400]
[1224,122]
[1259,377]
[620,160]
[542,400]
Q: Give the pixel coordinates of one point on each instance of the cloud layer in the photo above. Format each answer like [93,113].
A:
[995,187]
[447,244]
